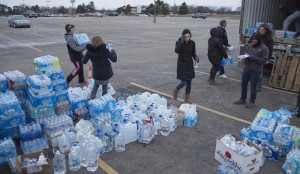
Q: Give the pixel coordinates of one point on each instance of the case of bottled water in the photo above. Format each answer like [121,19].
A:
[39,112]
[56,76]
[35,145]
[77,101]
[292,162]
[62,96]
[53,126]
[3,83]
[39,84]
[41,100]
[62,108]
[263,125]
[30,131]
[270,150]
[59,87]
[190,119]
[46,64]
[16,79]
[9,104]
[7,151]
[21,95]
[13,132]
[82,39]
[283,137]
[282,116]
[10,121]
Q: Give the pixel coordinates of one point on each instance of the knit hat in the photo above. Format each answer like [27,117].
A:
[186,31]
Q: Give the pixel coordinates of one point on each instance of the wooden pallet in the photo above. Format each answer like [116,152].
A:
[286,73]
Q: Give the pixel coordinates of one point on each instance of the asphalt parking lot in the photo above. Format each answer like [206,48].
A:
[147,62]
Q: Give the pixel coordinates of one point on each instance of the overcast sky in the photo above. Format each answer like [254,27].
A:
[113,4]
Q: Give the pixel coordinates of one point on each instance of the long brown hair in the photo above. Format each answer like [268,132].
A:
[97,41]
[269,32]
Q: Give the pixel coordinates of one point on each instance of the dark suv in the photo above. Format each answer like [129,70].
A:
[30,14]
[199,15]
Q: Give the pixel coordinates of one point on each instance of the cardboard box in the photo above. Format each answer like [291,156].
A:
[42,169]
[247,164]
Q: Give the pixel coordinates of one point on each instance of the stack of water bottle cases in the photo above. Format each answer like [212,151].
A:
[49,105]
[277,138]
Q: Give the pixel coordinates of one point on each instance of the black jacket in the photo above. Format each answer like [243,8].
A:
[224,36]
[215,45]
[268,42]
[100,57]
[185,63]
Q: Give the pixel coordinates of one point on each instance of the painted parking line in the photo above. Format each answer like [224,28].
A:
[199,106]
[21,43]
[106,167]
[266,87]
[60,40]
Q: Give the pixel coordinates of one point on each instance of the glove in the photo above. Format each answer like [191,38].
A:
[197,59]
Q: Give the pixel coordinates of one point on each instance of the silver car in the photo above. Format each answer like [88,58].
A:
[18,21]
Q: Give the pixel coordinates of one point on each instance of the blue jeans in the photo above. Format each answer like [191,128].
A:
[251,76]
[187,83]
[259,81]
[295,17]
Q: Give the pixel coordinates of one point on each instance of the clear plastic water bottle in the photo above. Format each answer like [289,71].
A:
[120,143]
[92,158]
[165,127]
[83,154]
[59,163]
[63,143]
[74,158]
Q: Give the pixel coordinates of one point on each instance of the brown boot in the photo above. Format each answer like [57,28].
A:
[187,99]
[175,94]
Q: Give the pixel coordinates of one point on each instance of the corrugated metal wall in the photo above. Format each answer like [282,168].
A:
[263,11]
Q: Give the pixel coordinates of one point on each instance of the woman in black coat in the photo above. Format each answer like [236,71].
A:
[186,50]
[102,70]
[216,52]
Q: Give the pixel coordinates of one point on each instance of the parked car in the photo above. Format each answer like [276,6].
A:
[113,14]
[97,14]
[199,15]
[44,14]
[88,14]
[30,14]
[18,21]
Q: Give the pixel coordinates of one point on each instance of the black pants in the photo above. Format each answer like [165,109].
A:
[78,70]
[215,68]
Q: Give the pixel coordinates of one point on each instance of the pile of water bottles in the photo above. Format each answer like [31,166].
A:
[7,151]
[271,130]
[292,162]
[78,98]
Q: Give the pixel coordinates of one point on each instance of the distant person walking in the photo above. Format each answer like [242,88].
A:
[216,52]
[75,54]
[267,38]
[186,50]
[258,54]
[223,25]
[100,57]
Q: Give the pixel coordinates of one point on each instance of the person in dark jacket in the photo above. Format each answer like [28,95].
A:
[216,52]
[100,57]
[186,50]
[222,27]
[258,54]
[75,54]
[267,38]
[293,16]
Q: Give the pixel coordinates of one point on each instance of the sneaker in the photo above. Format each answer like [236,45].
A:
[250,104]
[240,102]
[223,76]
[211,82]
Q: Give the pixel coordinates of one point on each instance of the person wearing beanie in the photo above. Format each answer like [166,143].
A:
[186,50]
[223,25]
[253,65]
[75,54]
